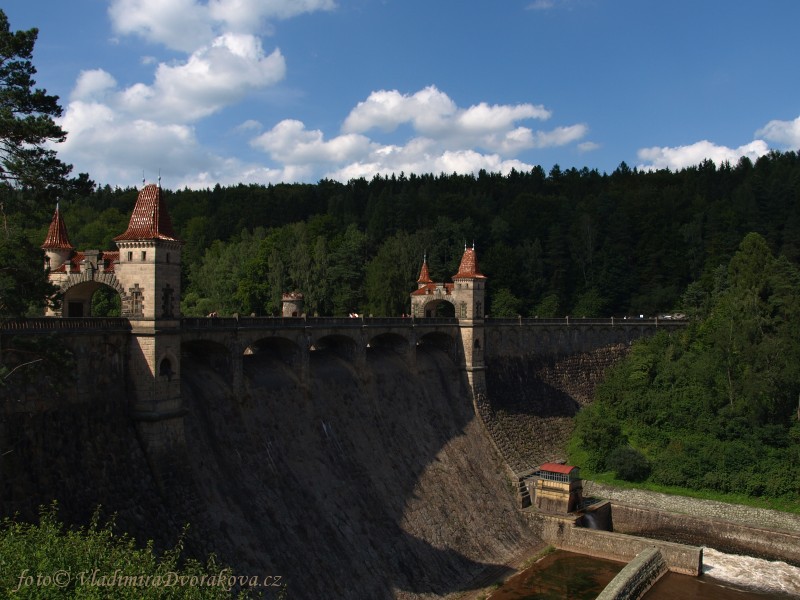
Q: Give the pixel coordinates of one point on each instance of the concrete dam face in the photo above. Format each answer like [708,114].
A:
[376,478]
[378,484]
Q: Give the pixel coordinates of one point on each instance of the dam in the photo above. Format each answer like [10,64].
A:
[350,458]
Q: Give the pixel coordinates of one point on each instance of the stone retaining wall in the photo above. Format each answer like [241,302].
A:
[637,577]
[732,528]
[562,533]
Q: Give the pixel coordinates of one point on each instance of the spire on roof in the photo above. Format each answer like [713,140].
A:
[468,269]
[57,238]
[424,276]
[150,219]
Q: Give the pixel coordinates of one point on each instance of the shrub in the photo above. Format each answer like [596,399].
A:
[628,464]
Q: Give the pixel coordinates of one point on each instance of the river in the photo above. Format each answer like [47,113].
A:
[565,575]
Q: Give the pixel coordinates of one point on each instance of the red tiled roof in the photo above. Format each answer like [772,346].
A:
[150,219]
[430,288]
[109,258]
[57,238]
[557,468]
[424,276]
[468,269]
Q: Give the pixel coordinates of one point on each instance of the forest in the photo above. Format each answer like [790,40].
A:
[572,242]
[717,406]
[713,408]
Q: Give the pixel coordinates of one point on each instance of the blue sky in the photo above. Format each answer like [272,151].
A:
[264,91]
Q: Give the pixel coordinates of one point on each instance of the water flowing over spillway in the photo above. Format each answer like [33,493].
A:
[753,573]
[374,484]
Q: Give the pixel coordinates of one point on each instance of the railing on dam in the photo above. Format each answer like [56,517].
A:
[222,323]
[65,324]
[216,323]
[570,321]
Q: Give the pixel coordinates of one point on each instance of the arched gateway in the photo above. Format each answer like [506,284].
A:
[145,271]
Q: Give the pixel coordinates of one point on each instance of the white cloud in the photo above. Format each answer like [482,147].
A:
[681,157]
[213,77]
[243,15]
[93,85]
[177,24]
[188,24]
[784,133]
[449,140]
[290,142]
[432,112]
[588,146]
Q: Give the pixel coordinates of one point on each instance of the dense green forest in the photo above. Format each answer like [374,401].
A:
[572,242]
[717,406]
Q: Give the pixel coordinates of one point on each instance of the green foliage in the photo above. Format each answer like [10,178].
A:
[48,560]
[24,287]
[26,116]
[628,464]
[714,407]
[106,303]
[504,304]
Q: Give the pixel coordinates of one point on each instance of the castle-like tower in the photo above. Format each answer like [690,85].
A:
[146,273]
[467,295]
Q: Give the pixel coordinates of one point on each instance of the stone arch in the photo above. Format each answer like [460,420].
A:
[79,288]
[340,345]
[388,343]
[209,354]
[168,366]
[435,306]
[279,348]
[438,341]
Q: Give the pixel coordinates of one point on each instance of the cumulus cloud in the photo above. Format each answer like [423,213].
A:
[213,77]
[290,142]
[784,133]
[448,138]
[680,157]
[93,85]
[188,24]
[176,24]
[432,112]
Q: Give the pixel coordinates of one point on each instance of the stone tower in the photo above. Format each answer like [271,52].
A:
[57,248]
[467,295]
[149,273]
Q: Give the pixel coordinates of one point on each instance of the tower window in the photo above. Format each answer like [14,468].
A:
[144,256]
[130,256]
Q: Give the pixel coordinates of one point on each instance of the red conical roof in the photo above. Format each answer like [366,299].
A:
[57,238]
[150,219]
[468,269]
[424,276]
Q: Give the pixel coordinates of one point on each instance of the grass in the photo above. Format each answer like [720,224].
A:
[782,504]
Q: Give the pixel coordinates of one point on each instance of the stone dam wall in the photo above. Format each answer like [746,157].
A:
[637,577]
[377,483]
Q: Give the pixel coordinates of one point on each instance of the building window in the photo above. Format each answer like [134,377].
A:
[462,310]
[144,256]
[130,256]
[167,302]
[136,301]
[478,310]
[167,257]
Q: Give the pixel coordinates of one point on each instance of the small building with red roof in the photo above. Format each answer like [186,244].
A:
[557,488]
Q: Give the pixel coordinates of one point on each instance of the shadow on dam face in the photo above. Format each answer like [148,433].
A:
[373,484]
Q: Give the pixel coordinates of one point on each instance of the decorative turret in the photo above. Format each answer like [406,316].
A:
[468,269]
[57,246]
[424,276]
[150,219]
[469,286]
[149,260]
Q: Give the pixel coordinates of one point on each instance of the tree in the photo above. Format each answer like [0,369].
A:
[23,285]
[26,117]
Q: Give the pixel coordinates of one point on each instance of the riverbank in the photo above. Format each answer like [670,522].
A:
[696,507]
